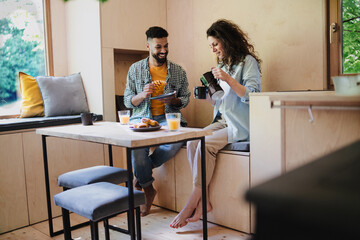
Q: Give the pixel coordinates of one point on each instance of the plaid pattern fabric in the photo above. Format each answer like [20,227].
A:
[139,75]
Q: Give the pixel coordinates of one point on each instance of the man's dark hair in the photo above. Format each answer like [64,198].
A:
[156,32]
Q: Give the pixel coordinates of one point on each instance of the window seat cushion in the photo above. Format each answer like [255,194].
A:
[37,122]
[238,146]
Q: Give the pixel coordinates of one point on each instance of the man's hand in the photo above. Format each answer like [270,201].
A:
[148,89]
[171,100]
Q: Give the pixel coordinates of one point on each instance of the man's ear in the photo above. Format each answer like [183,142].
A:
[147,46]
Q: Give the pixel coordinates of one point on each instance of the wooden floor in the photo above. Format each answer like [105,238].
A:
[154,227]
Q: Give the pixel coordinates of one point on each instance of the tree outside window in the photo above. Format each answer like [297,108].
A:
[22,48]
[351,36]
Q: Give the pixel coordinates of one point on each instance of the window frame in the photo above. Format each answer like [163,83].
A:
[48,38]
[334,41]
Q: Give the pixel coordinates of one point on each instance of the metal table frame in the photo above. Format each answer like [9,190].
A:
[131,217]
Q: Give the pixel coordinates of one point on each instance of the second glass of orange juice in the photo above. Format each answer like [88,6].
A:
[124,116]
[173,121]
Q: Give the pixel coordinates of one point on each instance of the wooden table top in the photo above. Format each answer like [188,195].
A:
[121,135]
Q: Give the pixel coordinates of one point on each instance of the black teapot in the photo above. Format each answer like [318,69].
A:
[214,89]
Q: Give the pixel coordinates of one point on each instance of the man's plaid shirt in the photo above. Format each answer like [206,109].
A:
[139,75]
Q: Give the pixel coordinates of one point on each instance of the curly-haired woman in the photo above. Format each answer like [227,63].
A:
[238,73]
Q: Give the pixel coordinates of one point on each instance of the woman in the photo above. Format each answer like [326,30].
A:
[238,72]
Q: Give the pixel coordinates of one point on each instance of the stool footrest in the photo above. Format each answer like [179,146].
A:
[112,227]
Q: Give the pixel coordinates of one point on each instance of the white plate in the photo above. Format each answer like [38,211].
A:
[148,129]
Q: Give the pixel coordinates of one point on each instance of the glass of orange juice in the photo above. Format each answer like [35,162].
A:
[124,116]
[173,121]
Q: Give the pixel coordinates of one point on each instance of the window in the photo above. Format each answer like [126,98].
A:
[22,48]
[343,38]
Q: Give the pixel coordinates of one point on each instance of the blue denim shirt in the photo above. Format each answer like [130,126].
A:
[235,109]
[139,75]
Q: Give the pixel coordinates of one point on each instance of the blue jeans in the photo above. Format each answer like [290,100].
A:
[143,163]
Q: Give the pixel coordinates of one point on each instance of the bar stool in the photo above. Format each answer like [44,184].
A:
[98,202]
[90,175]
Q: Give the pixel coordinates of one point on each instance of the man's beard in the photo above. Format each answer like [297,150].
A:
[158,59]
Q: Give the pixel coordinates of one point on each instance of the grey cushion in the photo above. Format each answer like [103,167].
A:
[92,175]
[97,201]
[63,95]
[238,146]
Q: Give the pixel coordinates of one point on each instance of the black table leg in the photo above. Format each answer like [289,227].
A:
[48,197]
[110,155]
[203,186]
[131,218]
[47,186]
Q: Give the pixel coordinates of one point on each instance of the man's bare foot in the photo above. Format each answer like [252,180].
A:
[198,212]
[150,194]
[187,212]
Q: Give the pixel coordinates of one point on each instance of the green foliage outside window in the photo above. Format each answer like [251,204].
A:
[351,36]
[17,55]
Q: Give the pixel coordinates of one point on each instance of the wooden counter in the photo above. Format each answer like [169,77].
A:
[289,129]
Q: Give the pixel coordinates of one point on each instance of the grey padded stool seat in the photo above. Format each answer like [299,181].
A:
[90,175]
[97,202]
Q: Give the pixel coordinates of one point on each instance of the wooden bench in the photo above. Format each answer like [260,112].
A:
[227,188]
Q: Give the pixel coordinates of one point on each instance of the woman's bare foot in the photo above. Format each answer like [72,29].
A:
[150,194]
[180,220]
[198,212]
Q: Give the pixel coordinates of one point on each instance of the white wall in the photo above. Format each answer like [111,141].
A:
[77,45]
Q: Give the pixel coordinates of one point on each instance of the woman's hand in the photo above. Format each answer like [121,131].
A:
[239,89]
[220,74]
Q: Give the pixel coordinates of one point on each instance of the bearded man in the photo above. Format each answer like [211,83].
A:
[150,78]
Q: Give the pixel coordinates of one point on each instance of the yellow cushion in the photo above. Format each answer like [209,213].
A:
[32,103]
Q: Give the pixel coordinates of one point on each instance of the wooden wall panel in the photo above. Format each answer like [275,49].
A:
[165,184]
[330,130]
[227,191]
[183,178]
[123,61]
[13,203]
[35,176]
[123,23]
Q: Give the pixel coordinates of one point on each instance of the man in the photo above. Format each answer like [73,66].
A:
[146,79]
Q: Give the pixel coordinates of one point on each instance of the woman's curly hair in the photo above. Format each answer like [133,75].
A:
[235,42]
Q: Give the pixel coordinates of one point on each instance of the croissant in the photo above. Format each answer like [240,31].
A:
[141,125]
[153,123]
[145,120]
